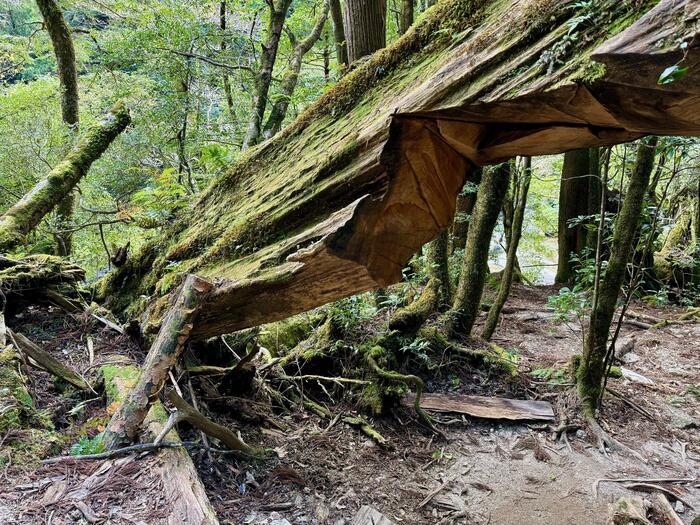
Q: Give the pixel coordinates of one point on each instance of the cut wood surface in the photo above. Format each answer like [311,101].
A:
[339,201]
[486,407]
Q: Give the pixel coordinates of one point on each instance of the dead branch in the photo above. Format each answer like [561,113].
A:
[48,362]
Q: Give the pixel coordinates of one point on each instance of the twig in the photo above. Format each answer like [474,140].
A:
[631,404]
[639,480]
[650,487]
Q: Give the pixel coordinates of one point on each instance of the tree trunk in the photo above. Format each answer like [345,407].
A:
[291,76]
[21,218]
[164,353]
[226,80]
[341,45]
[365,27]
[62,43]
[406,18]
[573,201]
[263,78]
[65,58]
[465,206]
[467,302]
[511,259]
[591,371]
[595,194]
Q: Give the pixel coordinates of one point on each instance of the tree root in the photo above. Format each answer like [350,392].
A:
[407,379]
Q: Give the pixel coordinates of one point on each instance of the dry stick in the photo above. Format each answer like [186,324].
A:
[164,353]
[141,447]
[186,412]
[73,307]
[48,362]
[631,404]
[666,509]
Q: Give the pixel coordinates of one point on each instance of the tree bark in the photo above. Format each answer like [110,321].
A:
[467,301]
[406,16]
[291,76]
[365,27]
[60,35]
[594,190]
[591,371]
[511,259]
[263,78]
[164,353]
[226,80]
[341,45]
[465,206]
[573,201]
[63,48]
[21,218]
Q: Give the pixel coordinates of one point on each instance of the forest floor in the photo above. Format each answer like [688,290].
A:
[488,472]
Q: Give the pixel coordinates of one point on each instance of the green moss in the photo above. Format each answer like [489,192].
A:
[118,379]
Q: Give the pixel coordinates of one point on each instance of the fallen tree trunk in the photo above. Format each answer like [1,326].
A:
[21,218]
[338,202]
[164,353]
[189,503]
[36,273]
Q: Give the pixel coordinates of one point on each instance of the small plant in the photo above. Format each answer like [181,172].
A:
[86,446]
[553,376]
[569,301]
[418,349]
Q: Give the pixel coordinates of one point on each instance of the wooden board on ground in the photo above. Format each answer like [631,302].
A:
[485,407]
[370,516]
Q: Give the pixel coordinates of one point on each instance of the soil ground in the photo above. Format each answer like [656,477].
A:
[488,472]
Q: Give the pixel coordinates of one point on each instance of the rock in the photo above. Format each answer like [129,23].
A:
[283,521]
[581,434]
[634,376]
[629,510]
[631,358]
[682,421]
[370,516]
[679,507]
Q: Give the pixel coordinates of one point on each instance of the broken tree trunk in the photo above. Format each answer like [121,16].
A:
[21,218]
[36,273]
[591,371]
[338,202]
[189,503]
[164,353]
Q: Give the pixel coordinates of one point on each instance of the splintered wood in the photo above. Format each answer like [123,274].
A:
[486,407]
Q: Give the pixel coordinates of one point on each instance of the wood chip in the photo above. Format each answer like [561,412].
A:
[486,407]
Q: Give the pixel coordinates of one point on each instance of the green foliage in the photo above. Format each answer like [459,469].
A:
[569,301]
[86,446]
[350,312]
[553,376]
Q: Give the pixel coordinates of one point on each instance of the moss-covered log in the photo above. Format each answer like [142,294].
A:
[35,273]
[591,370]
[339,201]
[21,218]
[164,353]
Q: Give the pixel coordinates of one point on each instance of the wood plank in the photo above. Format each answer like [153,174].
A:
[486,407]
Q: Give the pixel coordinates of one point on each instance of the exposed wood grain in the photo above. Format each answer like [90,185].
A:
[486,407]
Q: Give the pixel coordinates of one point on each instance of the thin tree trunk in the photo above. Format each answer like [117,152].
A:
[226,80]
[62,43]
[164,353]
[594,195]
[511,259]
[463,211]
[365,27]
[573,201]
[467,301]
[263,79]
[406,19]
[291,76]
[591,371]
[21,218]
[341,46]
